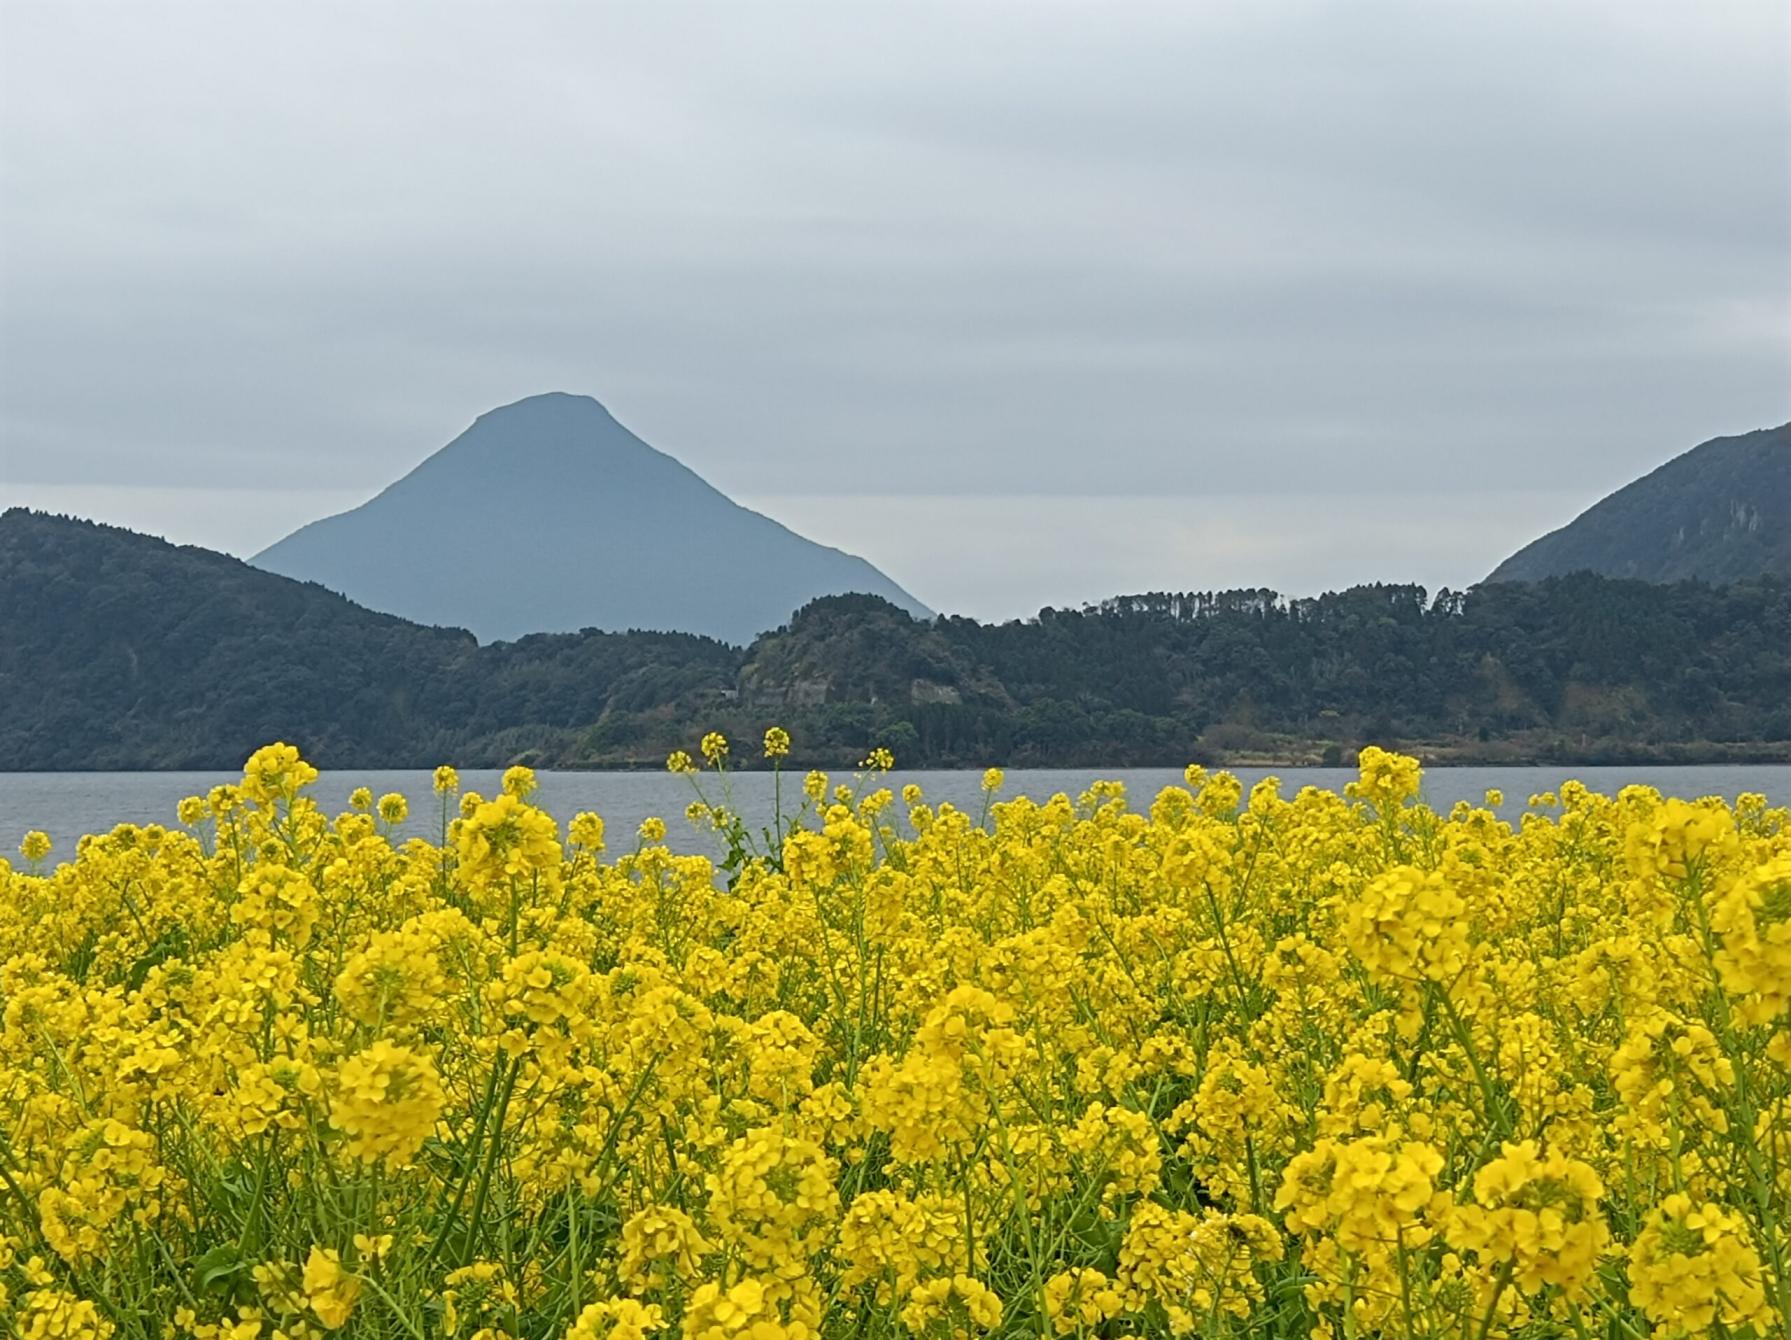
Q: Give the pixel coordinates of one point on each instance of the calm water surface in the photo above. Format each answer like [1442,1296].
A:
[68,804]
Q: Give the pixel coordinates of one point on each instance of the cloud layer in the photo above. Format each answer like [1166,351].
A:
[972,251]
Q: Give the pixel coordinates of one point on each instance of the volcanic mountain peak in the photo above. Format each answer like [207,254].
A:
[547,515]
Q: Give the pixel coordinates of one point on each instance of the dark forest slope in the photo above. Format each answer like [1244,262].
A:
[1719,513]
[118,650]
[122,651]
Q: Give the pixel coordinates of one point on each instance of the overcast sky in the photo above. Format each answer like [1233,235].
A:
[1028,303]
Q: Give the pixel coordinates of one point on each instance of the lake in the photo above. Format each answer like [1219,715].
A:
[68,804]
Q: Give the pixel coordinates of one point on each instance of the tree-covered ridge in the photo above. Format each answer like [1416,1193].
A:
[1591,661]
[1719,513]
[119,650]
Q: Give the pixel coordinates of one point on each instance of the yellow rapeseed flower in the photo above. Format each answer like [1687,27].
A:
[1232,1062]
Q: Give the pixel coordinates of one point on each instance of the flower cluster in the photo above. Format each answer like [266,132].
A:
[1223,1063]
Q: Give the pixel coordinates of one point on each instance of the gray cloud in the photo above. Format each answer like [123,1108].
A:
[969,249]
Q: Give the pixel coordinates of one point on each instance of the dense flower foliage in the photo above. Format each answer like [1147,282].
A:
[1236,1065]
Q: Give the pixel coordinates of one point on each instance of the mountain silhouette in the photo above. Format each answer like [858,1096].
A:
[547,515]
[1720,512]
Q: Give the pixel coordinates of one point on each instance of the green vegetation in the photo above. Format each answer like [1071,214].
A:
[121,651]
[1719,513]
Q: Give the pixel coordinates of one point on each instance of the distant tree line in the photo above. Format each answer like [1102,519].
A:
[1579,667]
[121,651]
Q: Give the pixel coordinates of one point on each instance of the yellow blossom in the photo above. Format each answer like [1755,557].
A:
[386,1098]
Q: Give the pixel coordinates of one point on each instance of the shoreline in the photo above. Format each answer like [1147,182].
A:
[1434,755]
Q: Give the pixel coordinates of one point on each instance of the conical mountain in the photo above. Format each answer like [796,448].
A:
[549,516]
[1720,513]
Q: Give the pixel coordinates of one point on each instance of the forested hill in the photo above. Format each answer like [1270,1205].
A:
[1720,512]
[118,650]
[122,651]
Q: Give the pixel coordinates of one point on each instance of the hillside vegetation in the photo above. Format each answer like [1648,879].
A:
[119,650]
[1719,513]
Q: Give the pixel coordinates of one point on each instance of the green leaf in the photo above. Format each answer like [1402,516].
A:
[216,1267]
